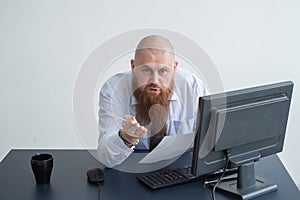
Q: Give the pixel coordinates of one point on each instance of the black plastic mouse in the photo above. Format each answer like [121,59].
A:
[95,175]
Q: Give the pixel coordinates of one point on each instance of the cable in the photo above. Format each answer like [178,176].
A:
[206,188]
[212,193]
[99,191]
[224,171]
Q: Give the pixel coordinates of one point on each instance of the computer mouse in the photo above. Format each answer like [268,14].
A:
[95,175]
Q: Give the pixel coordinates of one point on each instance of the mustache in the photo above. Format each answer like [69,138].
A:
[154,85]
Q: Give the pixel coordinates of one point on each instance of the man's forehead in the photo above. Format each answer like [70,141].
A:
[154,55]
[152,65]
[154,51]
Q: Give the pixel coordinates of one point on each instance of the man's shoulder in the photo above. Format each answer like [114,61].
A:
[187,77]
[120,76]
[189,82]
[119,79]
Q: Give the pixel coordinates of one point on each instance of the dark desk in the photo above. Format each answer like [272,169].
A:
[69,180]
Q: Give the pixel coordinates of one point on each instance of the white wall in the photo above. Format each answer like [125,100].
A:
[43,44]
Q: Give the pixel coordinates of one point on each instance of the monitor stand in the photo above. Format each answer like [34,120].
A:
[247,185]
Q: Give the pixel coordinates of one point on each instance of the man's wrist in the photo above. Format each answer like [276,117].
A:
[126,142]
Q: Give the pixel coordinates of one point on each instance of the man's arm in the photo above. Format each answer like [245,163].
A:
[117,136]
[111,148]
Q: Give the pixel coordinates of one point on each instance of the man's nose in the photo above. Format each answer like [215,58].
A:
[155,77]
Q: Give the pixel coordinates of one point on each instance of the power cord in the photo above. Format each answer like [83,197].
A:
[99,191]
[212,193]
[206,188]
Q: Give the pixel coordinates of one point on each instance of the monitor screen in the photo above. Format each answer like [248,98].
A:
[235,129]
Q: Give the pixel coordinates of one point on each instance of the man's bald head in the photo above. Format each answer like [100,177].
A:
[154,63]
[155,43]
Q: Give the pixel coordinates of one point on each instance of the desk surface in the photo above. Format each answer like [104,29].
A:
[69,180]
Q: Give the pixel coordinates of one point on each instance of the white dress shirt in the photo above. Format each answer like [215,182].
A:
[116,99]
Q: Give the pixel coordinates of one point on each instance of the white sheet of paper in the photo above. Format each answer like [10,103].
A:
[170,147]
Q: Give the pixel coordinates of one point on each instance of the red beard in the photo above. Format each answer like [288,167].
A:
[144,102]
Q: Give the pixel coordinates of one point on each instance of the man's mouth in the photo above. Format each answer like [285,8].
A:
[153,90]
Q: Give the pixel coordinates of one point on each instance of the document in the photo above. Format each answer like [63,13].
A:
[170,147]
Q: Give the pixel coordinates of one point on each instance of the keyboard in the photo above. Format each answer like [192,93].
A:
[167,178]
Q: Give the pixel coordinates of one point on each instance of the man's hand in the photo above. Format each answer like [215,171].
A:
[131,130]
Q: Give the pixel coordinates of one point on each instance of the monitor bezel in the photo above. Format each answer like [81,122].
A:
[202,142]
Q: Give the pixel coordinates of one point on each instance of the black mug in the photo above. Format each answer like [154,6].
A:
[42,165]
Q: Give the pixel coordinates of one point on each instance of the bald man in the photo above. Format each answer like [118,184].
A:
[139,107]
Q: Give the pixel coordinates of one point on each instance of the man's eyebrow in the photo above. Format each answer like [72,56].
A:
[145,66]
[150,68]
[165,68]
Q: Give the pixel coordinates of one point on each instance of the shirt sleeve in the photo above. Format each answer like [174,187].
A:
[111,149]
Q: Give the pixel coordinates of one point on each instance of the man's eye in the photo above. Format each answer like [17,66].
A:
[146,70]
[164,71]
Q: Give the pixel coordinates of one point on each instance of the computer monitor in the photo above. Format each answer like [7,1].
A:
[236,129]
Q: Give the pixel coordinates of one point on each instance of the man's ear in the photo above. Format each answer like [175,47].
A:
[175,65]
[132,62]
